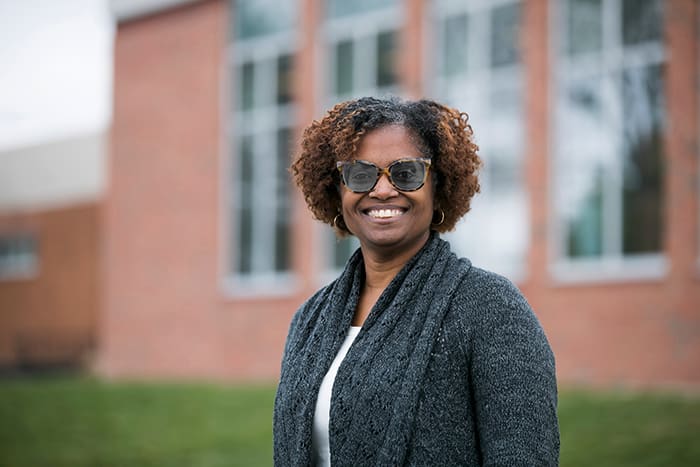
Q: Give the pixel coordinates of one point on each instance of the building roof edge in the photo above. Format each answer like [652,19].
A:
[127,10]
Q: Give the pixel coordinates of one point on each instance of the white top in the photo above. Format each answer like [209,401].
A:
[321,447]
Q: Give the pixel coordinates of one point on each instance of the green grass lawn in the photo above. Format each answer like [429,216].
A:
[80,422]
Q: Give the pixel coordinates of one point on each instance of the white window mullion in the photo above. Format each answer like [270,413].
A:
[612,194]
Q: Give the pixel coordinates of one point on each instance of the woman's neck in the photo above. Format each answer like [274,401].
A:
[381,266]
[378,274]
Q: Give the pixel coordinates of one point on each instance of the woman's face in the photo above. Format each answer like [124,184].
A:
[385,219]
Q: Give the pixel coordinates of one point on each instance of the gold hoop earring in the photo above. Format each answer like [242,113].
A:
[335,221]
[442,218]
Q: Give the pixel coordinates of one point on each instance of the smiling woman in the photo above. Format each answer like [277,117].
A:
[412,356]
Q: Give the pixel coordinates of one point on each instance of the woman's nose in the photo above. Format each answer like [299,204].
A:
[383,189]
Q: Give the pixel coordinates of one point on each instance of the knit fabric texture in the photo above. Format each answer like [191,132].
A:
[451,367]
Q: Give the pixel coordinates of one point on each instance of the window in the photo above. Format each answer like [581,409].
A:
[610,117]
[362,52]
[479,71]
[261,125]
[19,256]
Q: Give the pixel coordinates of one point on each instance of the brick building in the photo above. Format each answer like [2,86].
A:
[586,113]
[50,196]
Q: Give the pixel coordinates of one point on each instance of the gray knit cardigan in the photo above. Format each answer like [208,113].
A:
[451,367]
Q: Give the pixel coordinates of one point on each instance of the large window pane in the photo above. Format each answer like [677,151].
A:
[340,8]
[585,223]
[343,67]
[505,21]
[245,218]
[585,28]
[586,154]
[454,44]
[386,59]
[246,89]
[643,159]
[19,255]
[282,231]
[284,79]
[642,21]
[254,18]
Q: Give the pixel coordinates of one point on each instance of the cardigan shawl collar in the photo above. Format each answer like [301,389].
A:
[378,385]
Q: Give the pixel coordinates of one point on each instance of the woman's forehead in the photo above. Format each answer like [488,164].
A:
[387,144]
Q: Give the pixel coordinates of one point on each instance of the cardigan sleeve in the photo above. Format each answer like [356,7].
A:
[513,380]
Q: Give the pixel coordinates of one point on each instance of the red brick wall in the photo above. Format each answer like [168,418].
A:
[51,318]
[160,269]
[164,311]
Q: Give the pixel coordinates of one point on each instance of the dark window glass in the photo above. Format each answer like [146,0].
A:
[455,45]
[343,67]
[642,20]
[284,79]
[18,254]
[386,59]
[245,226]
[643,174]
[505,35]
[246,76]
[282,234]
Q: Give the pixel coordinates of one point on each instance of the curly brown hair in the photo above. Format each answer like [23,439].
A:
[442,133]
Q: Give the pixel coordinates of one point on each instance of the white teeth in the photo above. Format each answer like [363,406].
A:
[384,213]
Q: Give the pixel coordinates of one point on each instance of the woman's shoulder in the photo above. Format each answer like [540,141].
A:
[484,296]
[489,311]
[483,284]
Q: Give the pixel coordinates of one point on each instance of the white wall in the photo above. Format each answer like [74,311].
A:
[54,174]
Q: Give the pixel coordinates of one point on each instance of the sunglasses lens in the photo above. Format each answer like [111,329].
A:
[360,176]
[408,175]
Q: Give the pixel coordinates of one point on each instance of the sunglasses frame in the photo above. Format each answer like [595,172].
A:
[385,171]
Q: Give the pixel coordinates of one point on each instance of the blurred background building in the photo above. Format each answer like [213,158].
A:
[55,73]
[192,258]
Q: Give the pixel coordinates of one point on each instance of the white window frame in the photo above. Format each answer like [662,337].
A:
[265,119]
[606,63]
[362,29]
[469,91]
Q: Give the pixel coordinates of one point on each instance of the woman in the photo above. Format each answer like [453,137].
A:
[412,356]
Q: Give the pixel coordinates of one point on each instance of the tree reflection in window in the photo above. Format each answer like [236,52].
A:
[643,160]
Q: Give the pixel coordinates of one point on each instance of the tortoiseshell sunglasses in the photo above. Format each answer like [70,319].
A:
[404,174]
